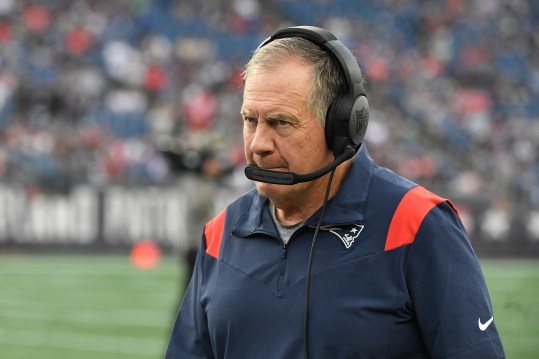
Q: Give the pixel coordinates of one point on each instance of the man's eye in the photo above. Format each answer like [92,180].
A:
[276,121]
[282,122]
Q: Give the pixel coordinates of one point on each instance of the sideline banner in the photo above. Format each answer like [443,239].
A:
[110,216]
[118,216]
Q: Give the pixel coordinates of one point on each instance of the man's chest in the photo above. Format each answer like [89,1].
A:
[357,294]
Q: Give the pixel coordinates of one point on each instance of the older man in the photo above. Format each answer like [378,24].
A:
[330,256]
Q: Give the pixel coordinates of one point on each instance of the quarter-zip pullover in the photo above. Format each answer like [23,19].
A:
[394,276]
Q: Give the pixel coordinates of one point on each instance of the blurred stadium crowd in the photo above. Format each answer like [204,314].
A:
[100,92]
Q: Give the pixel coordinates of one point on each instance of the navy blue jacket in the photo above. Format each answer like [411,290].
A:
[394,276]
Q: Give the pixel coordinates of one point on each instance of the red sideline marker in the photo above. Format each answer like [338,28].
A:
[145,254]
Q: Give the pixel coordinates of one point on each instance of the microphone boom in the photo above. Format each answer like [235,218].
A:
[258,174]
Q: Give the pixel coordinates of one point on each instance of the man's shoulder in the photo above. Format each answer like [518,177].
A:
[243,203]
[246,201]
[390,183]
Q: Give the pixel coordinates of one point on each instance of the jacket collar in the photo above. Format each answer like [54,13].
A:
[347,206]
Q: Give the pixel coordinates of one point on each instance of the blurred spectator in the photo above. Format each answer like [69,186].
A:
[90,91]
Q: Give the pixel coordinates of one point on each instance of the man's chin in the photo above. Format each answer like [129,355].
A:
[270,189]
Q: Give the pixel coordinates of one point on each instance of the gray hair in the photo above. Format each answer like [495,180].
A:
[328,77]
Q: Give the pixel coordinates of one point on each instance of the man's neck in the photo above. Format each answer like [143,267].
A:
[294,210]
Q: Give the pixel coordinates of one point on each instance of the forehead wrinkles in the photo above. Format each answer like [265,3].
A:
[274,105]
[277,90]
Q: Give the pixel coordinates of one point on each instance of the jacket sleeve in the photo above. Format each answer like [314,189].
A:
[190,336]
[448,290]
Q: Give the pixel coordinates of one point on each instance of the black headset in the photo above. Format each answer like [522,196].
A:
[347,117]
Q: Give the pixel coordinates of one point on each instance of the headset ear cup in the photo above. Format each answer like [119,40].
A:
[359,120]
[346,123]
[337,124]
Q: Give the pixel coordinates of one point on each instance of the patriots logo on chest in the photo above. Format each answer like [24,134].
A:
[346,235]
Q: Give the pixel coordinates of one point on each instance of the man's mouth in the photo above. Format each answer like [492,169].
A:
[280,169]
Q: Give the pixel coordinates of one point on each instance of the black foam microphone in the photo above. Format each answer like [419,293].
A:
[258,174]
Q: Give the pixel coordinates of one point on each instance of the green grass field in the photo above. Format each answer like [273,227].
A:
[54,307]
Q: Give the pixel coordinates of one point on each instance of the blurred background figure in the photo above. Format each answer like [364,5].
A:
[201,192]
[202,172]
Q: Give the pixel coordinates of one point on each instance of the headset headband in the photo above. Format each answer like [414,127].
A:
[328,42]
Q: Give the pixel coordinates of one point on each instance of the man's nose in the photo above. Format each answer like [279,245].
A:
[262,142]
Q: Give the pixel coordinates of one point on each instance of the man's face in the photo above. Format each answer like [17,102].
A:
[279,132]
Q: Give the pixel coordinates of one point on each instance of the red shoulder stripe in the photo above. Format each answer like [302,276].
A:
[214,233]
[411,211]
